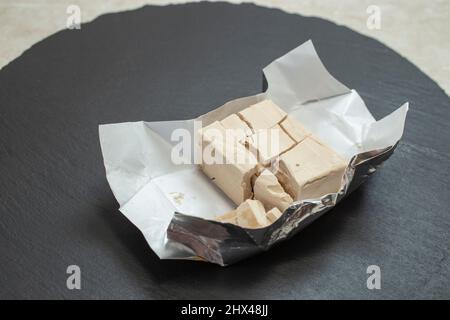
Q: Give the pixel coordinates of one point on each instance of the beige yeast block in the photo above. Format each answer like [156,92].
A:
[273,215]
[311,170]
[231,168]
[263,115]
[294,129]
[251,214]
[229,217]
[269,191]
[238,127]
[269,143]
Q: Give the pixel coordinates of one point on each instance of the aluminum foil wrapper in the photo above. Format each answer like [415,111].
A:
[174,205]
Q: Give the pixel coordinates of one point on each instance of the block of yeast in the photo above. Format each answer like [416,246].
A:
[273,215]
[266,144]
[218,132]
[269,191]
[250,214]
[263,160]
[294,129]
[229,217]
[240,128]
[310,170]
[263,115]
[227,163]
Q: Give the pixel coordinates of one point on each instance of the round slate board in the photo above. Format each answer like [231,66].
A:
[177,62]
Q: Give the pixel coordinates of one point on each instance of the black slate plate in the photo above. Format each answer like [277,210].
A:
[177,62]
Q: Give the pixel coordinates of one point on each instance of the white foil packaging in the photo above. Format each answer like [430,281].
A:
[172,205]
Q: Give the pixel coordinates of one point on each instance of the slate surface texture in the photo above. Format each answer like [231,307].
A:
[177,62]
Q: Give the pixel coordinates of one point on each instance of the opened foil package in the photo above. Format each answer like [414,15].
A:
[176,205]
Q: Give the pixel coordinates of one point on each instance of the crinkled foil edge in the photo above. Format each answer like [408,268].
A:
[225,244]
